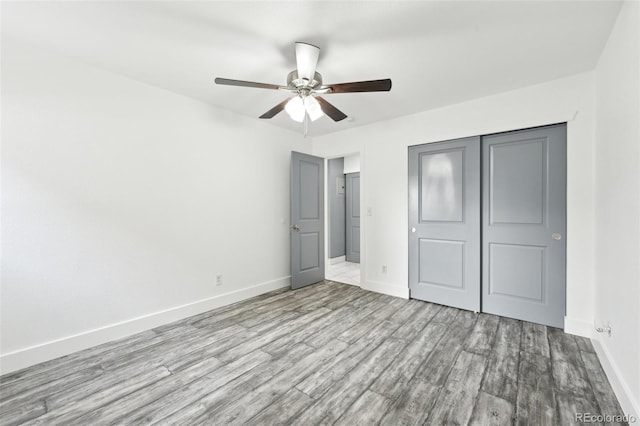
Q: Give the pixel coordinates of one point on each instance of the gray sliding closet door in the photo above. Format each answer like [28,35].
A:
[524,225]
[353,217]
[444,223]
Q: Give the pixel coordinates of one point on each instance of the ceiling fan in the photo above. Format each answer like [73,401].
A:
[305,83]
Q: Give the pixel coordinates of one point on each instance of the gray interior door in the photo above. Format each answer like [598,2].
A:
[307,219]
[444,223]
[353,217]
[524,224]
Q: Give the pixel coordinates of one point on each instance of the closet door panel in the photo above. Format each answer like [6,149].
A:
[444,221]
[524,225]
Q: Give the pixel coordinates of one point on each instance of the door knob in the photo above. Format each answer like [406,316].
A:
[413,229]
[295,227]
[556,236]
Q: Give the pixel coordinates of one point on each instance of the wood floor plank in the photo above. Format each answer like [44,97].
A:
[568,369]
[176,364]
[492,411]
[534,339]
[269,323]
[110,379]
[446,314]
[410,329]
[241,410]
[26,379]
[413,406]
[247,310]
[281,344]
[205,404]
[172,348]
[326,298]
[436,368]
[243,312]
[22,413]
[121,410]
[584,344]
[366,299]
[501,375]
[283,411]
[351,297]
[536,397]
[333,371]
[605,396]
[258,312]
[393,381]
[410,309]
[68,413]
[166,403]
[366,410]
[352,334]
[40,392]
[332,331]
[570,404]
[259,300]
[271,335]
[456,400]
[337,400]
[257,322]
[480,341]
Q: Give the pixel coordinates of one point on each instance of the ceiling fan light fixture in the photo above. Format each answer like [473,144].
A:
[313,108]
[295,108]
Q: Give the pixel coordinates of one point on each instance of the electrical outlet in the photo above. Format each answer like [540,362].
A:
[384,269]
[604,327]
[219,279]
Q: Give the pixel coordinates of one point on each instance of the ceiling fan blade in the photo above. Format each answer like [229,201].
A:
[275,110]
[361,86]
[229,82]
[334,113]
[306,60]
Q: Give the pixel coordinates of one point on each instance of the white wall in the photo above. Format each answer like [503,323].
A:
[352,163]
[384,177]
[121,202]
[617,201]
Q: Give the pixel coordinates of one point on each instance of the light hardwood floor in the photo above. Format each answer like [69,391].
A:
[326,354]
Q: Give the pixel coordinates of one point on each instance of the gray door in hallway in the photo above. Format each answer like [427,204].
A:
[444,223]
[524,224]
[307,219]
[353,217]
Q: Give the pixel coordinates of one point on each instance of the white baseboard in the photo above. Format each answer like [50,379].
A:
[26,357]
[628,401]
[342,280]
[384,288]
[336,260]
[578,327]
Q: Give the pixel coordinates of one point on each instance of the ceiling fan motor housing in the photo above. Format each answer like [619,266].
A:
[295,83]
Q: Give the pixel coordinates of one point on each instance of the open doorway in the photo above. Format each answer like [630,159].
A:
[343,220]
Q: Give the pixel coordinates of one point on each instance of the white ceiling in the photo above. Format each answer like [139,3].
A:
[436,52]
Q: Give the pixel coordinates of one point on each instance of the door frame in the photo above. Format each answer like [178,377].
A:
[363,256]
